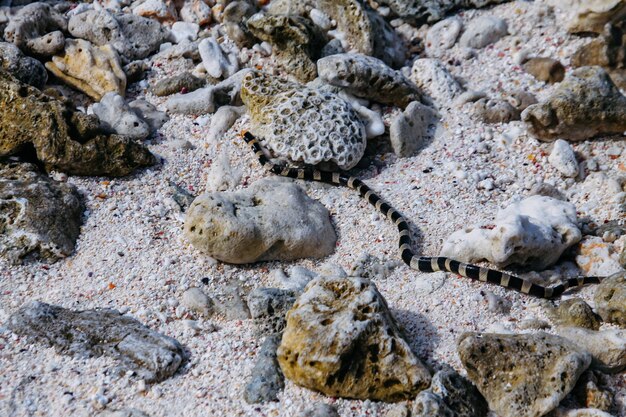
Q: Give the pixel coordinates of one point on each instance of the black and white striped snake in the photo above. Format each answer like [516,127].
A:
[420,263]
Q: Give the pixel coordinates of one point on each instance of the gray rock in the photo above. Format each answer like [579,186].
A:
[321,410]
[589,394]
[341,340]
[117,117]
[181,196]
[217,62]
[574,312]
[26,69]
[37,29]
[433,10]
[493,110]
[371,267]
[296,42]
[449,395]
[268,308]
[89,333]
[369,78]
[38,216]
[197,301]
[234,20]
[520,99]
[230,303]
[563,158]
[303,124]
[124,412]
[610,299]
[500,366]
[442,36]
[412,129]
[149,114]
[270,220]
[607,347]
[185,82]
[483,31]
[267,379]
[133,37]
[433,78]
[584,105]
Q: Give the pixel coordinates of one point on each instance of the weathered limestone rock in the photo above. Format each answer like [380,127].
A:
[493,110]
[267,380]
[38,216]
[26,69]
[412,129]
[522,375]
[182,82]
[547,70]
[369,78]
[610,299]
[593,15]
[296,42]
[117,117]
[607,347]
[433,10]
[341,340]
[302,124]
[574,312]
[89,333]
[37,29]
[268,308]
[585,104]
[63,139]
[94,70]
[483,31]
[270,220]
[434,79]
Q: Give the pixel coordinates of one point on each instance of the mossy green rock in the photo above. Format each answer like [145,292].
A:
[63,139]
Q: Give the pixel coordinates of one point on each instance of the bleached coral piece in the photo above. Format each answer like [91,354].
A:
[303,124]
[533,233]
[117,117]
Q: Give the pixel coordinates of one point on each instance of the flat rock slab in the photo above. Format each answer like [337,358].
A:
[522,375]
[90,333]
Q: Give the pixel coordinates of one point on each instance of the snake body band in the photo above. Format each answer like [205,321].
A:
[420,263]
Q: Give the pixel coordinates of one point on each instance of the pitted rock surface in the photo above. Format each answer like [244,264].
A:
[368,77]
[302,124]
[342,340]
[26,69]
[610,299]
[88,333]
[499,365]
[272,219]
[38,216]
[37,29]
[117,117]
[433,10]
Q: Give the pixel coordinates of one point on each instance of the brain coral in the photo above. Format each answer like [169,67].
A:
[302,124]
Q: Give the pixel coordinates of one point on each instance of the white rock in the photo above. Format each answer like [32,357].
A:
[581,412]
[223,175]
[411,129]
[117,117]
[197,301]
[563,158]
[442,36]
[184,31]
[320,19]
[483,31]
[432,77]
[607,347]
[597,258]
[196,102]
[533,232]
[222,120]
[215,61]
[149,113]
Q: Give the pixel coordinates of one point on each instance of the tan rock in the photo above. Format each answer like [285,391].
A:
[94,70]
[341,340]
[592,15]
[610,299]
[547,70]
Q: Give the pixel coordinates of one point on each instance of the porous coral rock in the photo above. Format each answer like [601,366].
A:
[369,78]
[302,124]
[266,380]
[149,114]
[434,79]
[117,117]
[483,31]
[610,299]
[563,158]
[270,220]
[37,29]
[545,69]
[63,139]
[38,216]
[607,347]
[442,36]
[411,129]
[177,83]
[584,105]
[296,42]
[499,365]
[26,69]
[533,232]
[94,70]
[196,11]
[342,340]
[433,10]
[161,10]
[494,110]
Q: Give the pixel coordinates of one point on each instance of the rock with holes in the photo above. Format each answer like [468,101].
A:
[270,220]
[522,375]
[533,232]
[302,124]
[369,78]
[131,36]
[63,139]
[26,69]
[610,299]
[607,347]
[433,10]
[341,340]
[493,110]
[267,380]
[412,129]
[94,70]
[39,217]
[584,105]
[268,307]
[434,79]
[450,394]
[88,333]
[296,42]
[37,29]
[574,312]
[483,31]
[117,117]
[149,114]
[442,36]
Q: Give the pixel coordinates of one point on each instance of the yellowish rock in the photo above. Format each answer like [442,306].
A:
[592,15]
[341,340]
[94,70]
